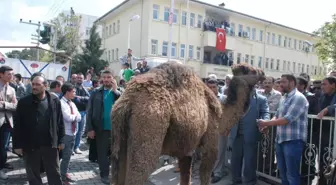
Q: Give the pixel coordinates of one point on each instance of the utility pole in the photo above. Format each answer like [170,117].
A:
[171,20]
[35,37]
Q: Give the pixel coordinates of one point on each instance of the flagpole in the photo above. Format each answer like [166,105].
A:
[186,52]
[171,20]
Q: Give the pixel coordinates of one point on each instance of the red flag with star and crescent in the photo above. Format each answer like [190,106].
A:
[220,39]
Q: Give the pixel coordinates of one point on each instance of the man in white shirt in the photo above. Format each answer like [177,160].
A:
[71,117]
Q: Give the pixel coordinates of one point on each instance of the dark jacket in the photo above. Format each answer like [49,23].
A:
[26,119]
[313,102]
[95,111]
[83,98]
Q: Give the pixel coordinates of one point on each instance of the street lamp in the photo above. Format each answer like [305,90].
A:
[133,18]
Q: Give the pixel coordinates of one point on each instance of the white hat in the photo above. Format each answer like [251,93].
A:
[213,76]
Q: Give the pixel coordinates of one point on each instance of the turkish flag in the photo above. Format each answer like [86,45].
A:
[220,39]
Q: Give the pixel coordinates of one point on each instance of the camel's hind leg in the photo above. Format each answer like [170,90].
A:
[185,170]
[209,149]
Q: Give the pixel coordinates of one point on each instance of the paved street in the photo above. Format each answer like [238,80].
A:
[86,172]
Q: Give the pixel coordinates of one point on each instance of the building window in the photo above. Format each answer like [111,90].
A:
[307,69]
[154,47]
[117,53]
[110,30]
[233,29]
[299,68]
[114,28]
[300,44]
[106,31]
[165,49]
[118,26]
[175,16]
[173,50]
[248,30]
[261,33]
[252,60]
[247,58]
[279,40]
[198,54]
[260,62]
[266,63]
[240,30]
[192,19]
[184,18]
[273,38]
[156,9]
[238,58]
[166,14]
[289,42]
[294,43]
[199,21]
[278,65]
[294,65]
[191,51]
[284,65]
[109,56]
[285,42]
[253,34]
[288,66]
[272,63]
[112,54]
[303,68]
[182,50]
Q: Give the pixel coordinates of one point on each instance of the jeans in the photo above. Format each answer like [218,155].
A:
[288,155]
[7,139]
[81,129]
[69,142]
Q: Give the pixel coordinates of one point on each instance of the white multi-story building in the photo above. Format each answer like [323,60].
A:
[273,47]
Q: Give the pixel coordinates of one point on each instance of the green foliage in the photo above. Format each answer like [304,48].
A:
[326,46]
[68,37]
[91,56]
[30,54]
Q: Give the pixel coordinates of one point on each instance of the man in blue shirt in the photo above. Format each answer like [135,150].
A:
[99,121]
[291,121]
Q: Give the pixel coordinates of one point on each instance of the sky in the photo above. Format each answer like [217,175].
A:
[306,15]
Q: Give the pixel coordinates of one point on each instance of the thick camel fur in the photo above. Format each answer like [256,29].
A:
[170,111]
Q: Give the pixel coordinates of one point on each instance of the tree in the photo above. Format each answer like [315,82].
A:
[30,54]
[68,36]
[326,46]
[91,56]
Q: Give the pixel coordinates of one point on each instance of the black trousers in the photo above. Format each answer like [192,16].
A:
[3,151]
[93,156]
[103,142]
[50,159]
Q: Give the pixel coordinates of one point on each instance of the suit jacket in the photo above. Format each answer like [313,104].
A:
[7,94]
[258,109]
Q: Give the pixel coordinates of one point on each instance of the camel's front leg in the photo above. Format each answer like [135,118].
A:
[185,170]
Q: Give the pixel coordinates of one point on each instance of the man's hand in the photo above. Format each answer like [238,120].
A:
[18,151]
[114,85]
[322,113]
[261,123]
[91,134]
[263,130]
[61,147]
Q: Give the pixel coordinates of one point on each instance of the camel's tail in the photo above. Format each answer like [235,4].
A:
[120,129]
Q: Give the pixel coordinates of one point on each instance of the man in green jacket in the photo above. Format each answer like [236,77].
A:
[128,73]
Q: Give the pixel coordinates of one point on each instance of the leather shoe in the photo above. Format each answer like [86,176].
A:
[215,179]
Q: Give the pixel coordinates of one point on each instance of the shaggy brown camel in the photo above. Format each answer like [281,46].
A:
[170,111]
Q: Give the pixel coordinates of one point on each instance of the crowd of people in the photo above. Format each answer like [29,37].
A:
[283,104]
[47,121]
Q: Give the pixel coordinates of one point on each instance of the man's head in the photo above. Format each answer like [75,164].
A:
[60,78]
[69,91]
[268,84]
[95,83]
[80,78]
[139,65]
[129,51]
[125,65]
[277,86]
[88,76]
[228,79]
[39,85]
[328,85]
[144,63]
[55,86]
[302,83]
[73,79]
[212,84]
[18,78]
[287,82]
[136,72]
[6,74]
[107,77]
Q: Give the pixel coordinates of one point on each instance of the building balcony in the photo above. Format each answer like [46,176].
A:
[209,39]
